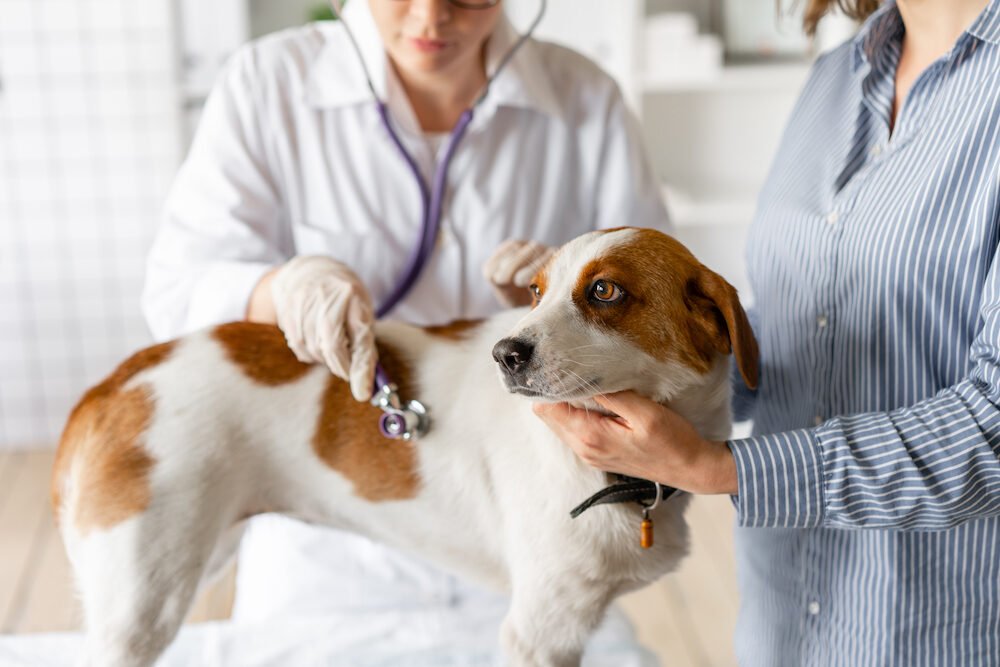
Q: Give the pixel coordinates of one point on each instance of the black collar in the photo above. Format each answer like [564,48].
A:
[625,490]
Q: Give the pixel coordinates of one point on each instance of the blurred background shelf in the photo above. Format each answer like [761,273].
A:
[732,78]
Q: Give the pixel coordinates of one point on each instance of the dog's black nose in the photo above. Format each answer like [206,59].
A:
[512,354]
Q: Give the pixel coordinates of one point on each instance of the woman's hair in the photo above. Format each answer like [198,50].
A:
[856,9]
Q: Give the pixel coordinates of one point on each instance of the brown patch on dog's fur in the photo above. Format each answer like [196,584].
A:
[660,276]
[348,438]
[541,280]
[103,434]
[261,352]
[457,330]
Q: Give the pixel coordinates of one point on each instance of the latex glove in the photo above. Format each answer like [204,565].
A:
[512,267]
[327,316]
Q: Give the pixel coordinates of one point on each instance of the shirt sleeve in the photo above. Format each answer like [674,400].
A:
[222,226]
[629,193]
[931,465]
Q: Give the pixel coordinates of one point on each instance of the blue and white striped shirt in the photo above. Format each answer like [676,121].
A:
[869,517]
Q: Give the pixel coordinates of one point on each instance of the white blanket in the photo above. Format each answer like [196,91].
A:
[435,638]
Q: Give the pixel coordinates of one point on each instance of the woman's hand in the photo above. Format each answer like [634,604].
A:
[327,316]
[512,267]
[645,440]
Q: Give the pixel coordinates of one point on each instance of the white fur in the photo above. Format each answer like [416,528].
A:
[494,500]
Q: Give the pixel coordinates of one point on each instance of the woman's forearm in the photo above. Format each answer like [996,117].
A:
[260,307]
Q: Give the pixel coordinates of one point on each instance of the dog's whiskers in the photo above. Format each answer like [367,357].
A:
[581,347]
[583,381]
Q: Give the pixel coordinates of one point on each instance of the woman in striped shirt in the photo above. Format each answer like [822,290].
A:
[868,498]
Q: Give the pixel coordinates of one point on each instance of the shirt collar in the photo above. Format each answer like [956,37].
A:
[987,26]
[336,78]
[524,82]
[886,26]
[882,28]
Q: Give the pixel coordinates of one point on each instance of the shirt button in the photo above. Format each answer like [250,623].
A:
[818,419]
[813,608]
[876,150]
[822,321]
[832,217]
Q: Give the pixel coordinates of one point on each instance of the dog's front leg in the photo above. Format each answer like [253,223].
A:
[550,620]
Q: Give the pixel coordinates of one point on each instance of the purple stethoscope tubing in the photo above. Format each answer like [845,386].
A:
[432,198]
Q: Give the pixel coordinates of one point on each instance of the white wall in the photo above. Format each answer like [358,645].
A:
[88,144]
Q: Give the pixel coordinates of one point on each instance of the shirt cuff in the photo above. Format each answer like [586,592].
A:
[780,480]
[222,293]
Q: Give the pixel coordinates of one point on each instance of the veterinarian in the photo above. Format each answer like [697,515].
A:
[868,498]
[291,160]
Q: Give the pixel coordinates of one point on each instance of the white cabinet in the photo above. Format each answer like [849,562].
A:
[608,36]
[209,33]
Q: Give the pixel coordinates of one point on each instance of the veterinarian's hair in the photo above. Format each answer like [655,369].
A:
[858,10]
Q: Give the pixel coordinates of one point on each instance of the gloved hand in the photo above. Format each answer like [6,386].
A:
[327,316]
[512,267]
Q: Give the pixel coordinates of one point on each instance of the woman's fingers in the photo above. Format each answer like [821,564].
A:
[526,272]
[513,260]
[493,265]
[628,405]
[360,319]
[588,433]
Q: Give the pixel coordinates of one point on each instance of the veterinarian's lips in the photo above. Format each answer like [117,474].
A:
[425,45]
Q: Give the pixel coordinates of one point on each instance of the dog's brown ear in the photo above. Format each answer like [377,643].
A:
[721,316]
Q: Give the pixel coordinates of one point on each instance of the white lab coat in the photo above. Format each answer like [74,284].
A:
[290,158]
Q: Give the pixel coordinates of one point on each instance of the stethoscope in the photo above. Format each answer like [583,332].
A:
[410,420]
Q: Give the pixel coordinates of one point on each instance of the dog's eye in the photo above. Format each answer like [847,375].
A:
[606,292]
[536,291]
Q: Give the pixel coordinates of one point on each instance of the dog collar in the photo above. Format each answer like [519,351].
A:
[629,489]
[625,490]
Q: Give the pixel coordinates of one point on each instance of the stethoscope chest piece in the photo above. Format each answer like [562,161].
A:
[399,421]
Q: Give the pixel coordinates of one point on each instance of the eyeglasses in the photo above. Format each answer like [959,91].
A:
[471,4]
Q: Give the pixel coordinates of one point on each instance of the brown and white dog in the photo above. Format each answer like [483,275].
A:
[160,464]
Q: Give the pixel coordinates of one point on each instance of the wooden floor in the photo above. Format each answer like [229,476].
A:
[687,618]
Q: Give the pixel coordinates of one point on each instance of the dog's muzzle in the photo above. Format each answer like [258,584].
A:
[513,355]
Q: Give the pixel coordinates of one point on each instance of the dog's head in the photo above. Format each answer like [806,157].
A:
[624,309]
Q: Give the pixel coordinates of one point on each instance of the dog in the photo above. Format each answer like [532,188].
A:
[160,464]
